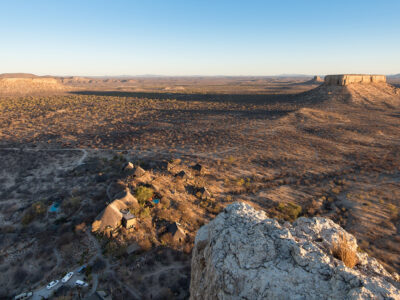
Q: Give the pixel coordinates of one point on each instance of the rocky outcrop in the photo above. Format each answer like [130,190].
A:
[317,79]
[346,79]
[243,254]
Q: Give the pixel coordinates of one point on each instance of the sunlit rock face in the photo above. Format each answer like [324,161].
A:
[243,254]
[346,79]
[29,85]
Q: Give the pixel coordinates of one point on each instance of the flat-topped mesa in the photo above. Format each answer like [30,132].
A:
[27,85]
[346,79]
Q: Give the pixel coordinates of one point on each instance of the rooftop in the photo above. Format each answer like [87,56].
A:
[127,215]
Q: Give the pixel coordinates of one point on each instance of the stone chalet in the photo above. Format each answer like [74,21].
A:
[128,219]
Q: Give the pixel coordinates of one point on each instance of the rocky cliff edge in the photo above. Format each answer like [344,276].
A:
[243,254]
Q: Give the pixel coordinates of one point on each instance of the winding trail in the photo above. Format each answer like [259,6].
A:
[108,192]
[83,157]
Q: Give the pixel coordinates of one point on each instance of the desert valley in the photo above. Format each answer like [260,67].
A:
[111,178]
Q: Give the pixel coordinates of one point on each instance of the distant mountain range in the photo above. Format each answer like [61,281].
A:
[28,75]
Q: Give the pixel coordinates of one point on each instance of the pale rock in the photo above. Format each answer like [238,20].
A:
[139,172]
[243,254]
[128,166]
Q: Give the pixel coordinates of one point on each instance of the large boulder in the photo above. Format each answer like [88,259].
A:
[243,254]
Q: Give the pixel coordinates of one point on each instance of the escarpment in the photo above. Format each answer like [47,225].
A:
[22,85]
[346,79]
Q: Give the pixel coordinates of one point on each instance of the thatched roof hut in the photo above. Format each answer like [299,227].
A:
[111,216]
[176,231]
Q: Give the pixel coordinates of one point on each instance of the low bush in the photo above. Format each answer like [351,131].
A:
[341,250]
[71,204]
[141,212]
[394,211]
[290,211]
[37,209]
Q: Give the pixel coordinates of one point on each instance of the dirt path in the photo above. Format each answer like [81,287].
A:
[83,157]
[95,283]
[108,192]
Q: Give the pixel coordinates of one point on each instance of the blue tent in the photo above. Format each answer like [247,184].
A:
[54,207]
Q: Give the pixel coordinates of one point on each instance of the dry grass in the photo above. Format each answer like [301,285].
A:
[342,250]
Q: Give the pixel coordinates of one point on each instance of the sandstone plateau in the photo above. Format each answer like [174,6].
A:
[243,254]
[346,79]
[21,85]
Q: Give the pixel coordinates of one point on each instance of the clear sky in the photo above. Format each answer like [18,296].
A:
[199,37]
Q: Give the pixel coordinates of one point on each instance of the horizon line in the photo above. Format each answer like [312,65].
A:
[193,75]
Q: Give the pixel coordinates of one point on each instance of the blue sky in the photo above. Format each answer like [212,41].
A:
[97,37]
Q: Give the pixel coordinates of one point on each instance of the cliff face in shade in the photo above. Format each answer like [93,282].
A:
[346,79]
[243,254]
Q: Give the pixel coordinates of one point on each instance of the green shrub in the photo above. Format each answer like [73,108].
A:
[143,194]
[394,211]
[141,212]
[36,210]
[230,159]
[240,182]
[145,212]
[290,211]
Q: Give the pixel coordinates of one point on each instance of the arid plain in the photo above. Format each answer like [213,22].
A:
[291,146]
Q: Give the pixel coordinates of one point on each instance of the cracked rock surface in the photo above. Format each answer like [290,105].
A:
[243,254]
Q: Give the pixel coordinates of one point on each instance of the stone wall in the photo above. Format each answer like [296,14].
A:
[346,79]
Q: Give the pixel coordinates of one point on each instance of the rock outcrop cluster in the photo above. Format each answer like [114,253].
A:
[346,79]
[243,254]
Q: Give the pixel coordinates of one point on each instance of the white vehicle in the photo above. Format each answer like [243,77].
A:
[23,296]
[80,283]
[67,277]
[52,284]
